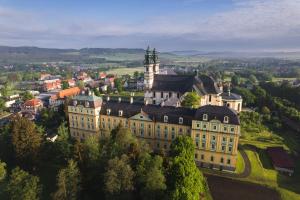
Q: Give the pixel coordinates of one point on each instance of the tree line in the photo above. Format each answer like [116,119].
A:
[118,167]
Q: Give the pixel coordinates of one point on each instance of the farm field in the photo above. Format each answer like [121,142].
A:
[124,71]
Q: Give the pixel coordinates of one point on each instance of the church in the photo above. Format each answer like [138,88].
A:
[170,90]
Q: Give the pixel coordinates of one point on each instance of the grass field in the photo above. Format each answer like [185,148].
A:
[240,166]
[282,79]
[124,71]
[263,173]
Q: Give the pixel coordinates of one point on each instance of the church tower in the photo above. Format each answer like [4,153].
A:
[151,67]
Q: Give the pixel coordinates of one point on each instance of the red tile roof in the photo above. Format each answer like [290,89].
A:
[33,102]
[280,158]
[68,92]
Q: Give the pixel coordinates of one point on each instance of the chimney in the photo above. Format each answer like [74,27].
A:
[131,100]
[119,99]
[107,98]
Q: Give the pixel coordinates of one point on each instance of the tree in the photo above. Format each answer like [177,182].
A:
[2,105]
[248,98]
[27,96]
[265,110]
[191,100]
[26,140]
[63,132]
[80,84]
[136,75]
[253,79]
[68,183]
[119,175]
[2,170]
[65,85]
[23,186]
[150,176]
[119,84]
[235,80]
[185,181]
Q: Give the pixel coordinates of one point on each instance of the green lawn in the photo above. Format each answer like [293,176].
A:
[263,173]
[240,165]
[124,71]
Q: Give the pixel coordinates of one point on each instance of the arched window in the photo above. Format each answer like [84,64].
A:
[180,120]
[120,113]
[165,118]
[108,111]
[226,119]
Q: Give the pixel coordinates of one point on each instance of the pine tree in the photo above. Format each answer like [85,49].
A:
[23,186]
[68,183]
[26,141]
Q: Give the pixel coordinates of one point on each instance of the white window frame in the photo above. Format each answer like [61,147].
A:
[205,117]
[180,121]
[166,118]
[120,113]
[226,119]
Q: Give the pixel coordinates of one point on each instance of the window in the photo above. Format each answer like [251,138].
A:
[87,104]
[108,111]
[170,94]
[161,95]
[224,139]
[209,98]
[226,119]
[180,130]
[157,145]
[197,135]
[222,160]
[198,125]
[212,159]
[223,148]
[232,129]
[213,138]
[205,117]
[165,118]
[202,156]
[180,120]
[178,95]
[213,146]
[215,127]
[197,144]
[173,136]
[228,161]
[225,129]
[231,140]
[203,144]
[229,149]
[204,126]
[196,156]
[203,136]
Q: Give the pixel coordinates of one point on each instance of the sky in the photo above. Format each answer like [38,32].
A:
[168,25]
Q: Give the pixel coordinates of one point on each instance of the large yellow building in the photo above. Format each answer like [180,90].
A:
[215,130]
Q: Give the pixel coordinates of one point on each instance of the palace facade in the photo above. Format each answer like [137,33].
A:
[215,130]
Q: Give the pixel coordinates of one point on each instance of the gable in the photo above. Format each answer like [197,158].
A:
[141,116]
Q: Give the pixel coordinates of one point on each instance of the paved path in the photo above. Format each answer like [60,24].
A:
[244,174]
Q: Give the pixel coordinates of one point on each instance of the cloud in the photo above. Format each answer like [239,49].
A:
[250,24]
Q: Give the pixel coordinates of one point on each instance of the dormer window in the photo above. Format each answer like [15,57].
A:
[74,103]
[205,117]
[87,104]
[108,111]
[165,118]
[226,119]
[120,113]
[180,120]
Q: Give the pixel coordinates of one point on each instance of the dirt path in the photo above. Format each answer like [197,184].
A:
[222,188]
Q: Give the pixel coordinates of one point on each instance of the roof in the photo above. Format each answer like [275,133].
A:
[209,84]
[157,112]
[230,96]
[33,102]
[68,92]
[174,83]
[280,158]
[185,83]
[218,113]
[82,99]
